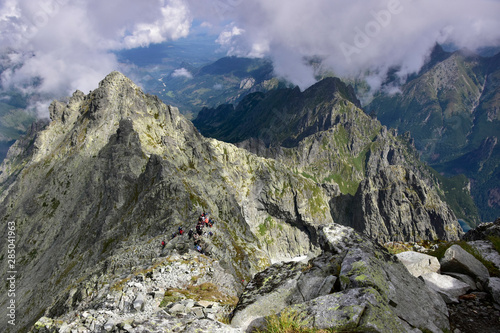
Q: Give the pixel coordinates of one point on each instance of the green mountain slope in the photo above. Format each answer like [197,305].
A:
[115,172]
[451,110]
[323,134]
[437,107]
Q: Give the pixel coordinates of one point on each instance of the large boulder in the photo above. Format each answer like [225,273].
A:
[419,263]
[465,279]
[358,286]
[493,287]
[359,309]
[448,287]
[268,290]
[284,284]
[457,260]
[368,265]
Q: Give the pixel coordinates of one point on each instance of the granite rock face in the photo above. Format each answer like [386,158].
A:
[93,193]
[368,290]
[118,167]
[378,185]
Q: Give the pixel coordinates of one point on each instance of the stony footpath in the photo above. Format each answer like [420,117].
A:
[176,293]
[353,285]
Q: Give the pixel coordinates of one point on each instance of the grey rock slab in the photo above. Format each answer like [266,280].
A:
[311,286]
[189,304]
[128,328]
[177,308]
[444,284]
[358,309]
[198,312]
[464,278]
[419,263]
[206,325]
[493,287]
[209,310]
[487,250]
[204,304]
[337,238]
[268,292]
[139,302]
[457,260]
[367,265]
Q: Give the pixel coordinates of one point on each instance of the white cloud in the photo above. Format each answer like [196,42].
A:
[173,23]
[356,36]
[68,44]
[182,72]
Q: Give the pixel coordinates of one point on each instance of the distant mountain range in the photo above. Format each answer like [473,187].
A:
[324,131]
[15,119]
[226,80]
[452,110]
[94,192]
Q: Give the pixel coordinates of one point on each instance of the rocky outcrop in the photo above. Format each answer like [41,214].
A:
[487,250]
[359,286]
[460,272]
[483,231]
[116,168]
[383,189]
[19,152]
[116,171]
[394,201]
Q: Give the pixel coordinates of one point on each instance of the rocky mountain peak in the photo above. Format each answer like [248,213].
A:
[117,171]
[116,78]
[86,122]
[333,87]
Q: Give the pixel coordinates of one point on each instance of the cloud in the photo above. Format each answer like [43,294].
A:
[182,72]
[356,37]
[68,45]
[229,40]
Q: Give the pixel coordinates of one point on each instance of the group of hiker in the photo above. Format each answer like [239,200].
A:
[203,222]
